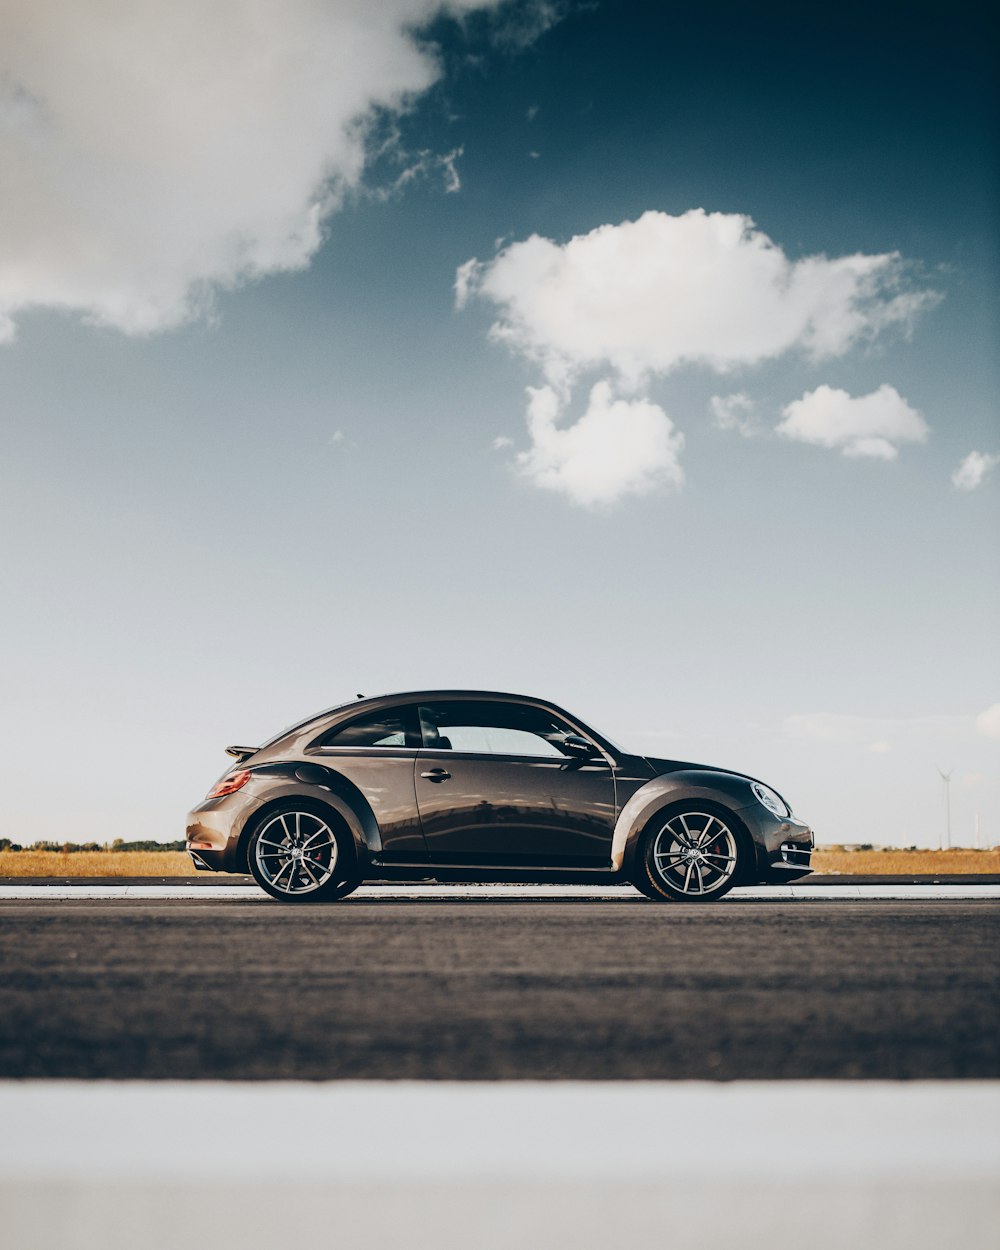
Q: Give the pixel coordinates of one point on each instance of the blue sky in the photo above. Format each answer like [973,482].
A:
[257,457]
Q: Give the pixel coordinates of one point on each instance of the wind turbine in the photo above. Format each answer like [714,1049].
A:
[946,778]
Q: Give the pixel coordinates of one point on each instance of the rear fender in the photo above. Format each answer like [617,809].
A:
[278,783]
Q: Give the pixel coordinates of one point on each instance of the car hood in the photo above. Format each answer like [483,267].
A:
[660,767]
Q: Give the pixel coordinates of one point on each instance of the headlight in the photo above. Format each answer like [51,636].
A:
[773,802]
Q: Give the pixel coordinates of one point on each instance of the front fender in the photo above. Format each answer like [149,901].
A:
[698,785]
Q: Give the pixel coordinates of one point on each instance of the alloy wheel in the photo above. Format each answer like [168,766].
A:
[694,854]
[295,853]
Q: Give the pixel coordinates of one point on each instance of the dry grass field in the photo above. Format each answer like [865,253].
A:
[177,864]
[95,864]
[931,863]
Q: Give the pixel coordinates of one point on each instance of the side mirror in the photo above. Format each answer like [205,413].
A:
[578,748]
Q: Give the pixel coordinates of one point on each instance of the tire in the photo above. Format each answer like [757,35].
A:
[342,889]
[298,854]
[692,854]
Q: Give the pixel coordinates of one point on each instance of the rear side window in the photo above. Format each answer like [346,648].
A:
[377,729]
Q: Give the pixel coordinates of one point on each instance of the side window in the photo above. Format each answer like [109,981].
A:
[492,728]
[377,729]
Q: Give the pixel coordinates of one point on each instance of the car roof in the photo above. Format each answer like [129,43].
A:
[344,710]
[415,696]
[401,696]
[449,694]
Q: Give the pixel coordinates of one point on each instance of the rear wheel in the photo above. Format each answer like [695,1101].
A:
[690,856]
[298,855]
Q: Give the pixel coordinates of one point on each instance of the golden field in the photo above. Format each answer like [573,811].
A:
[930,863]
[177,864]
[95,864]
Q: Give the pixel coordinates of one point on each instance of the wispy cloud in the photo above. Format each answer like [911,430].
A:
[515,26]
[974,470]
[988,722]
[416,166]
[737,412]
[876,733]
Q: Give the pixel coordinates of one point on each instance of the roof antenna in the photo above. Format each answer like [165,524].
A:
[361,696]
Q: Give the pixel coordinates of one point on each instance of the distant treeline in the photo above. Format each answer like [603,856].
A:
[69,847]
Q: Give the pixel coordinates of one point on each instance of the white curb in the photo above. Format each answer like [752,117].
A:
[533,893]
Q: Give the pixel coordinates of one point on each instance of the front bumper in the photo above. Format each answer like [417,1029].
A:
[784,846]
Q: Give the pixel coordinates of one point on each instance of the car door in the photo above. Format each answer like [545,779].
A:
[495,786]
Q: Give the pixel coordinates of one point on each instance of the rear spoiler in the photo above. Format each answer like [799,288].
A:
[242,753]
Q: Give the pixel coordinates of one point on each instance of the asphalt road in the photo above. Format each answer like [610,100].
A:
[499,990]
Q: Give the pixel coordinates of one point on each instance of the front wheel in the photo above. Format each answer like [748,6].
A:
[342,888]
[693,857]
[299,856]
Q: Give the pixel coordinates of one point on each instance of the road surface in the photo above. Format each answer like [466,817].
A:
[500,989]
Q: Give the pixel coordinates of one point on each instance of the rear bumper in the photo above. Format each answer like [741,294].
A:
[214,828]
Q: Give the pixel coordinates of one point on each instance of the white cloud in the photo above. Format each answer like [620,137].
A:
[502,442]
[872,425]
[646,296]
[618,447]
[988,722]
[736,412]
[152,150]
[974,470]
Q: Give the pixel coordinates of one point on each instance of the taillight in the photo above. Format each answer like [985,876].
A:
[230,784]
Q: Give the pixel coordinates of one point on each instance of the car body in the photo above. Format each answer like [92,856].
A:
[474,785]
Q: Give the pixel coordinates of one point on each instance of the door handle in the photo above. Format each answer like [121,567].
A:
[437,774]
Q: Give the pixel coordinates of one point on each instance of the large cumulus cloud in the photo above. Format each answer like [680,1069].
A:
[646,296]
[153,150]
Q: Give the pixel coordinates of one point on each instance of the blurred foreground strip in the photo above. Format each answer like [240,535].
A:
[105,1166]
